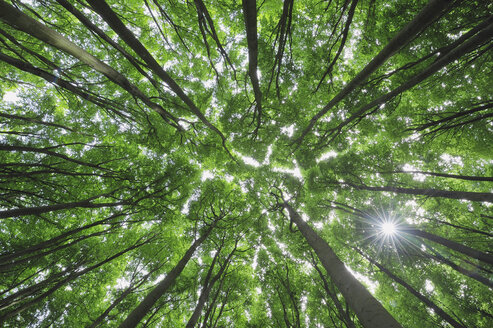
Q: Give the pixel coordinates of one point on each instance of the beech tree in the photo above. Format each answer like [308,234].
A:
[246,163]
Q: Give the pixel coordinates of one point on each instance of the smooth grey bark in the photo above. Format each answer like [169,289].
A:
[71,277]
[343,315]
[148,302]
[110,17]
[466,195]
[56,207]
[250,17]
[443,175]
[487,258]
[9,257]
[474,42]
[47,151]
[130,289]
[23,22]
[427,15]
[370,312]
[471,274]
[208,284]
[444,315]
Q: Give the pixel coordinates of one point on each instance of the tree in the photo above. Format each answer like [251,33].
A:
[246,164]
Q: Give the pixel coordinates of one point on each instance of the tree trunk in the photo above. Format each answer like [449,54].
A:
[69,278]
[110,17]
[426,16]
[208,284]
[51,208]
[250,17]
[148,302]
[369,311]
[7,257]
[23,22]
[487,258]
[445,316]
[343,316]
[471,274]
[467,46]
[466,195]
[445,175]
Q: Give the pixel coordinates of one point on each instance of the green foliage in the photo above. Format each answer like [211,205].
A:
[135,190]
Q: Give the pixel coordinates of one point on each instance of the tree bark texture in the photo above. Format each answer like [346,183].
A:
[444,315]
[23,22]
[148,302]
[487,258]
[427,15]
[370,312]
[466,195]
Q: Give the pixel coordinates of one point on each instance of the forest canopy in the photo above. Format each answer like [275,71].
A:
[295,163]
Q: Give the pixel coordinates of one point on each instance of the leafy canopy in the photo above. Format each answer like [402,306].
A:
[129,128]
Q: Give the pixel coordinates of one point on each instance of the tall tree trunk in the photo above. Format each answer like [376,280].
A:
[23,22]
[369,311]
[425,17]
[148,302]
[250,17]
[69,278]
[471,274]
[444,175]
[487,258]
[444,315]
[466,195]
[457,52]
[110,17]
[57,207]
[208,284]
[343,315]
[6,257]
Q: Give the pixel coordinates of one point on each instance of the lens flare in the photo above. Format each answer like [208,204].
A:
[389,228]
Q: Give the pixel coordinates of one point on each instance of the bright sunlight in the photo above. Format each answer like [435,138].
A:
[388,228]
